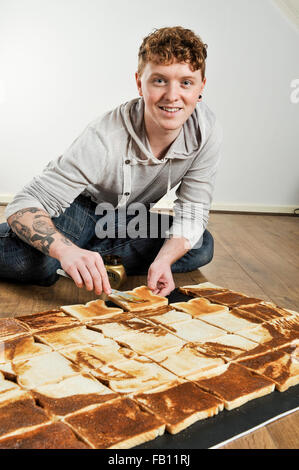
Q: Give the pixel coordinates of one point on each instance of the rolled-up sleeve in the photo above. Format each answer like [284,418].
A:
[63,179]
[194,195]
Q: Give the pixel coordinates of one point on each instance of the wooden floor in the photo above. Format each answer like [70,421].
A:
[255,254]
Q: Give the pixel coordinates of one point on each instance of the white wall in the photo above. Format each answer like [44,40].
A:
[64,62]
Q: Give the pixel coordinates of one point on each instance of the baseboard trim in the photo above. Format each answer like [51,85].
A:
[253,208]
[167,205]
[6,199]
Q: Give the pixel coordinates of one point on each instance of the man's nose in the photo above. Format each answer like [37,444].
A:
[172,92]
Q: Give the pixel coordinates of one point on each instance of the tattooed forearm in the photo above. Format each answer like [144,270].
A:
[20,213]
[35,227]
[66,241]
[42,226]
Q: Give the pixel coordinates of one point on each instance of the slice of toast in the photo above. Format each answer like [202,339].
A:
[232,299]
[18,412]
[49,436]
[267,311]
[134,375]
[231,347]
[233,321]
[236,385]
[44,369]
[151,339]
[64,337]
[72,394]
[199,306]
[9,390]
[93,310]
[120,424]
[119,325]
[92,356]
[281,366]
[11,328]
[275,333]
[186,361]
[21,347]
[194,330]
[202,289]
[46,320]
[151,301]
[168,318]
[181,405]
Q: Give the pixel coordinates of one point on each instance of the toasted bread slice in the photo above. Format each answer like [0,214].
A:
[21,347]
[202,289]
[120,424]
[199,306]
[236,385]
[194,330]
[232,299]
[151,339]
[49,436]
[72,394]
[18,412]
[181,405]
[168,317]
[64,337]
[11,328]
[9,390]
[275,333]
[46,320]
[230,347]
[134,375]
[92,356]
[281,366]
[233,321]
[7,370]
[119,325]
[151,301]
[267,311]
[44,369]
[93,310]
[186,361]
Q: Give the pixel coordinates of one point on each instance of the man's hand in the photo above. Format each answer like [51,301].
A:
[85,268]
[159,278]
[35,227]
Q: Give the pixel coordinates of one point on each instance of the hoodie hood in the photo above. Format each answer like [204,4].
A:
[183,147]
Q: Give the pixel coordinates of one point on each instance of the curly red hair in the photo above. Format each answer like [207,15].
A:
[164,45]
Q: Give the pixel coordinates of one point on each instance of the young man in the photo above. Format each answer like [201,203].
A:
[134,153]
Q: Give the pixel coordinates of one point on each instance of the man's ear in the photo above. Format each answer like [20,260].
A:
[138,83]
[201,89]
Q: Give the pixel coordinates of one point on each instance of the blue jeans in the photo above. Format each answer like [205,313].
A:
[19,262]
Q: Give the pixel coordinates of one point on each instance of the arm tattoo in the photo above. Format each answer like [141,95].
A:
[66,241]
[41,231]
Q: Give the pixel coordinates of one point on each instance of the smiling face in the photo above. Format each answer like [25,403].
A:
[170,94]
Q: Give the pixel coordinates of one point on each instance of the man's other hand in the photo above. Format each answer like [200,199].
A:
[159,278]
[86,268]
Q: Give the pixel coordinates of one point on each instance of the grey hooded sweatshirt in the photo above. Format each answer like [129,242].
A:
[111,161]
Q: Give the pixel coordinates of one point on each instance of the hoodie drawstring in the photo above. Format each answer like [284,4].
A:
[169,176]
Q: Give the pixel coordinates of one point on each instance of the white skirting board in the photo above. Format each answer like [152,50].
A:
[5,199]
[165,205]
[263,208]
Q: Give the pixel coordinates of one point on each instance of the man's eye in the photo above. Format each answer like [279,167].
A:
[158,80]
[187,82]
